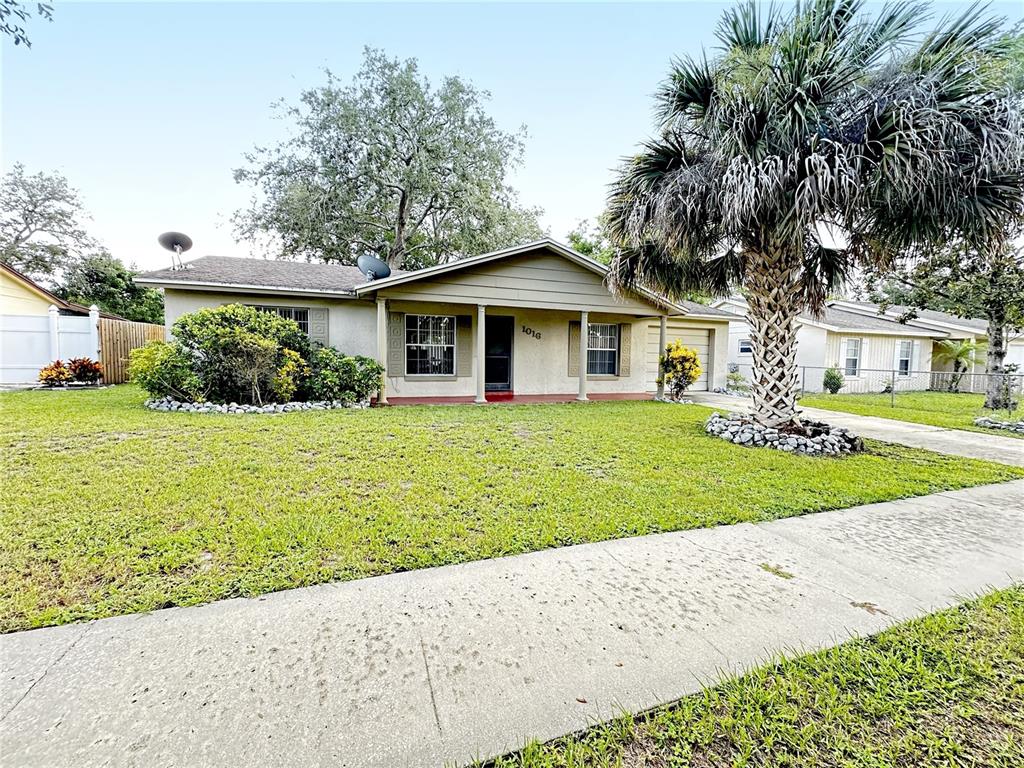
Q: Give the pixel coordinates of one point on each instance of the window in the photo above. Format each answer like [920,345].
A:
[298,314]
[851,365]
[906,354]
[602,349]
[746,348]
[429,345]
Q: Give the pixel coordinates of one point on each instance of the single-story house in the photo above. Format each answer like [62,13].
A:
[871,349]
[38,327]
[956,328]
[490,327]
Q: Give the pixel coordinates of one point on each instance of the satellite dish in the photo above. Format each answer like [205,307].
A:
[177,243]
[372,267]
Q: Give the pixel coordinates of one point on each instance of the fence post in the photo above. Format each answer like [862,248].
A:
[803,380]
[94,332]
[54,332]
[892,389]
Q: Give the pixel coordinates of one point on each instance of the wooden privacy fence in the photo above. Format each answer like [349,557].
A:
[117,339]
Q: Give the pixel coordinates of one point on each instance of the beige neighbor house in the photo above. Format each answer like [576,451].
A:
[872,348]
[492,327]
[870,351]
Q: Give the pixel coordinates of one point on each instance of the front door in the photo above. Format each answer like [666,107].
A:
[498,344]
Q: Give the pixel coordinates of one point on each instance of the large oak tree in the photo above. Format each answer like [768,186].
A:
[388,164]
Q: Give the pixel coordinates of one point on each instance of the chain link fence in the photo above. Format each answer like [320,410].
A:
[891,382]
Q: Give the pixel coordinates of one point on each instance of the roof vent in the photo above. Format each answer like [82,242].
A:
[372,267]
[177,243]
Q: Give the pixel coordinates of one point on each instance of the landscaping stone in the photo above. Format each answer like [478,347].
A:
[167,404]
[813,438]
[731,392]
[670,399]
[1008,426]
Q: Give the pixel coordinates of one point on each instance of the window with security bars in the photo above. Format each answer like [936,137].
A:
[602,349]
[298,314]
[429,345]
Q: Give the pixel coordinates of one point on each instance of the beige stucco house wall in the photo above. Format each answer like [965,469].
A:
[544,290]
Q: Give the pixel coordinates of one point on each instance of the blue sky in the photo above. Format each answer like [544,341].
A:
[147,107]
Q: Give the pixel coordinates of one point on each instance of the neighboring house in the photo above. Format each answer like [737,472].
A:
[956,328]
[488,327]
[870,351]
[37,327]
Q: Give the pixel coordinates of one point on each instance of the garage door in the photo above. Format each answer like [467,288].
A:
[695,338]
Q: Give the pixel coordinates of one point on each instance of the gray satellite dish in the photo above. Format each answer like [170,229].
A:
[177,243]
[372,267]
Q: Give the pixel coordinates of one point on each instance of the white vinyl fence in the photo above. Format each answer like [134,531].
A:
[28,343]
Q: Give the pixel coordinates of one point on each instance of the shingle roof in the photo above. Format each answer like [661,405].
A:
[692,307]
[262,273]
[896,310]
[840,318]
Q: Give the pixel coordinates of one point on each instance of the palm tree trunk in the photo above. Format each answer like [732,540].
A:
[774,302]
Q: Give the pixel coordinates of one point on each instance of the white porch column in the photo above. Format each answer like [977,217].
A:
[382,349]
[94,332]
[481,353]
[662,343]
[54,332]
[584,334]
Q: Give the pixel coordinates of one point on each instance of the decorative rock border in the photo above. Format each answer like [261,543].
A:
[168,404]
[731,392]
[816,439]
[667,399]
[1009,426]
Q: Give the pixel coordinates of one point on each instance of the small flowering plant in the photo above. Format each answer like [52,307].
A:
[680,368]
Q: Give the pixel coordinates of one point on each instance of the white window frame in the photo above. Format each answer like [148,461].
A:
[749,345]
[847,358]
[616,334]
[281,309]
[454,345]
[900,358]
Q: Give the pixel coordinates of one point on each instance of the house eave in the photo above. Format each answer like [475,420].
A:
[197,285]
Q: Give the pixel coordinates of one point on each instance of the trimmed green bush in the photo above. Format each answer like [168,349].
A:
[164,370]
[338,377]
[243,355]
[832,380]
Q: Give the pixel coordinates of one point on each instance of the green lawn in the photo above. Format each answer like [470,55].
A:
[945,690]
[110,508]
[940,409]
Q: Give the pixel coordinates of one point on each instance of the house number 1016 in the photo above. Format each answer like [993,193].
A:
[530,332]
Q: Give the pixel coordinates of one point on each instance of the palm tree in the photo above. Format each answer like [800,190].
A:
[961,353]
[809,122]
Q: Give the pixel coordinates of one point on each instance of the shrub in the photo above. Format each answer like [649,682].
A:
[237,351]
[164,370]
[832,380]
[56,374]
[292,376]
[737,381]
[680,367]
[85,370]
[338,377]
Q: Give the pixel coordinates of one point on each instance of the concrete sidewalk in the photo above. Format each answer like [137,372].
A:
[443,665]
[956,442]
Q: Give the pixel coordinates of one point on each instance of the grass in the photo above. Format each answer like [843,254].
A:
[940,409]
[945,690]
[109,508]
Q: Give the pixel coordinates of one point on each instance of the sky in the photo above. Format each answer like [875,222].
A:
[147,107]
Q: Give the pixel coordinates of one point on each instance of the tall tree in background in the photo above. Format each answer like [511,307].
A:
[592,240]
[810,117]
[13,14]
[41,231]
[103,280]
[977,269]
[389,165]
